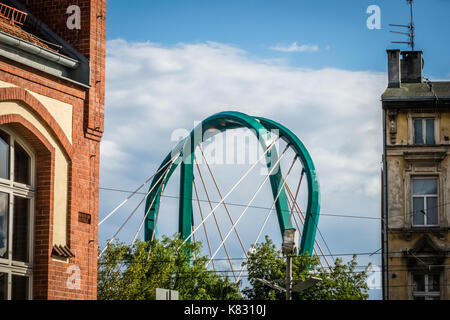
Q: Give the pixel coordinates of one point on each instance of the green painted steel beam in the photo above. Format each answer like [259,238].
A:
[313,208]
[186,212]
[259,126]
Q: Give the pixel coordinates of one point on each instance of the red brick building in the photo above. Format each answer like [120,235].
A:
[52,83]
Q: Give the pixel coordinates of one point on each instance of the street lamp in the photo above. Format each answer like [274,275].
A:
[305,284]
[299,286]
[290,241]
[289,247]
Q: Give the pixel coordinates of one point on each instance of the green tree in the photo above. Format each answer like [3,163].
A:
[342,282]
[134,272]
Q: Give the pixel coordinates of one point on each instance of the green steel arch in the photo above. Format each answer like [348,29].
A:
[260,127]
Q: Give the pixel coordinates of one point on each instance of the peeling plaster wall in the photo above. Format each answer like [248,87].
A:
[400,170]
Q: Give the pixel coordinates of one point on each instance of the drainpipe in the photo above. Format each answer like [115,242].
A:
[385,215]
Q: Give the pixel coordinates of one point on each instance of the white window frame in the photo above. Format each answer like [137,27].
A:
[10,272]
[9,266]
[424,197]
[424,130]
[426,294]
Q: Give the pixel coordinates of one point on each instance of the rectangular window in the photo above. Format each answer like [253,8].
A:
[19,289]
[426,286]
[4,155]
[21,165]
[4,213]
[20,229]
[425,202]
[3,286]
[424,131]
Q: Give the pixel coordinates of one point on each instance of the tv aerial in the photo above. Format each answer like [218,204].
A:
[410,27]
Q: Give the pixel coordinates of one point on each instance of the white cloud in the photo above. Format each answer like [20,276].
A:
[112,157]
[153,90]
[294,47]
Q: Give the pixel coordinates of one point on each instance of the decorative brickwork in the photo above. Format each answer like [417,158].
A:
[88,40]
[51,275]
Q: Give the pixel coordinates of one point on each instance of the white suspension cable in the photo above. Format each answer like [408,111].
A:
[215,219]
[204,226]
[275,166]
[270,211]
[301,218]
[224,204]
[131,215]
[136,191]
[232,189]
[296,194]
[149,208]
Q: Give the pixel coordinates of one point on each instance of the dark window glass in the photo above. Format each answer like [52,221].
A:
[430,131]
[424,186]
[4,212]
[418,211]
[4,155]
[425,202]
[21,165]
[3,286]
[419,282]
[434,281]
[19,288]
[418,131]
[426,286]
[20,229]
[432,211]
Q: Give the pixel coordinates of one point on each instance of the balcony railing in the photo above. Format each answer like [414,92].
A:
[13,15]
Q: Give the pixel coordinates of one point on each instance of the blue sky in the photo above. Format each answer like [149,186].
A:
[337,27]
[313,66]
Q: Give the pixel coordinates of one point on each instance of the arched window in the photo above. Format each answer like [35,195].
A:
[17,186]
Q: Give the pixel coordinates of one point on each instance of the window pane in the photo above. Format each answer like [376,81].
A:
[419,298]
[418,213]
[4,209]
[424,186]
[418,132]
[430,131]
[21,165]
[19,288]
[434,282]
[432,211]
[20,229]
[419,282]
[4,155]
[3,286]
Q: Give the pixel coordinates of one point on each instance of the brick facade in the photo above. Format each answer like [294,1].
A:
[50,275]
[89,41]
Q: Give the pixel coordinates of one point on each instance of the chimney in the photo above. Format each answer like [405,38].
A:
[404,67]
[394,71]
[411,66]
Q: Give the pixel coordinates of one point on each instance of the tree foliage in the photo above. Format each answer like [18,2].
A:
[342,282]
[134,272]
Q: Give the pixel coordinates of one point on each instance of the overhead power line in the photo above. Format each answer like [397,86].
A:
[243,205]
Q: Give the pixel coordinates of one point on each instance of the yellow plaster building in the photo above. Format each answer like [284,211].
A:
[416,185]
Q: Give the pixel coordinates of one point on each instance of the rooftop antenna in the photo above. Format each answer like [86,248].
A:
[410,34]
